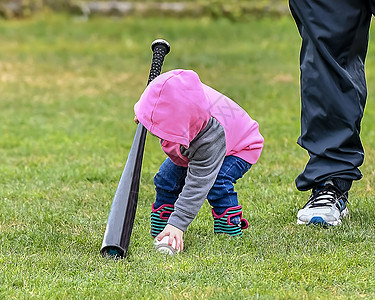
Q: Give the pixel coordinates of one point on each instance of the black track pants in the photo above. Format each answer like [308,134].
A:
[333,86]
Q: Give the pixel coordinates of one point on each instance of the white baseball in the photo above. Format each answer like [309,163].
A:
[163,247]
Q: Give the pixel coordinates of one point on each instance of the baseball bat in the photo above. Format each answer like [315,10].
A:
[121,217]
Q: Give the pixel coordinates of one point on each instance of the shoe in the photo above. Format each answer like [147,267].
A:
[230,222]
[326,206]
[159,218]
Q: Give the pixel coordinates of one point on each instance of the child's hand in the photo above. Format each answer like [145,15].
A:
[136,120]
[174,233]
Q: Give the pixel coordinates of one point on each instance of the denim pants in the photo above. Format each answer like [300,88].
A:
[170,180]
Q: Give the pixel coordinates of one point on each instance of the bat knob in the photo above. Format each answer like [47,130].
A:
[161,42]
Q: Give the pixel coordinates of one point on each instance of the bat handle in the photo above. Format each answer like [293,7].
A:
[160,49]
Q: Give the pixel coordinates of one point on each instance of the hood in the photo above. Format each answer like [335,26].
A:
[174,107]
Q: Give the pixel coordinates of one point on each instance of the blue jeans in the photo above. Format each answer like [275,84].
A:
[170,180]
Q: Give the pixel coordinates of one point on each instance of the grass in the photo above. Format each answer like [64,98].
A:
[67,89]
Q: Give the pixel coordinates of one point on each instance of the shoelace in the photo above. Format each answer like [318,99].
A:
[327,196]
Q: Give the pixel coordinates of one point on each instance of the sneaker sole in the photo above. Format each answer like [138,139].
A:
[319,221]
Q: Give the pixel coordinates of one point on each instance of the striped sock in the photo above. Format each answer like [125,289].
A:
[226,223]
[159,218]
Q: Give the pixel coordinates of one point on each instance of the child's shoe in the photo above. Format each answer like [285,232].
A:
[159,218]
[230,222]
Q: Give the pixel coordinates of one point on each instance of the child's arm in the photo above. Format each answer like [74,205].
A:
[206,155]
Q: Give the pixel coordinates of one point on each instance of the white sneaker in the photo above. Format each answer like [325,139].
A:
[326,206]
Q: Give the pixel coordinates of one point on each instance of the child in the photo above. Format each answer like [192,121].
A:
[210,142]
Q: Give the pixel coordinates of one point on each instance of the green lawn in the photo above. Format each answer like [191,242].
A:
[67,90]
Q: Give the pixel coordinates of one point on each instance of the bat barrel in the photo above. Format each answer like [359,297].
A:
[121,217]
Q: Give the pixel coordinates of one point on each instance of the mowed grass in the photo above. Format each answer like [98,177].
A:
[67,90]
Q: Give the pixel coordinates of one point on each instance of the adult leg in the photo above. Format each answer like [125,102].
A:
[333,88]
[333,95]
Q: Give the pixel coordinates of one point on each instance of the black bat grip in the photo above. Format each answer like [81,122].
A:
[160,49]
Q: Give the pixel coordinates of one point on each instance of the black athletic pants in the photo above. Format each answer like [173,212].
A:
[333,86]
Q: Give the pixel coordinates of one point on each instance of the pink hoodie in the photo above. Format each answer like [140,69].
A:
[176,106]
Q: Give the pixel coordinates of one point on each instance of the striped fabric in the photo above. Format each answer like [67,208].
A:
[223,224]
[159,218]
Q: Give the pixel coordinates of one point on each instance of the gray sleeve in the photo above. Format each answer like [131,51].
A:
[206,155]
